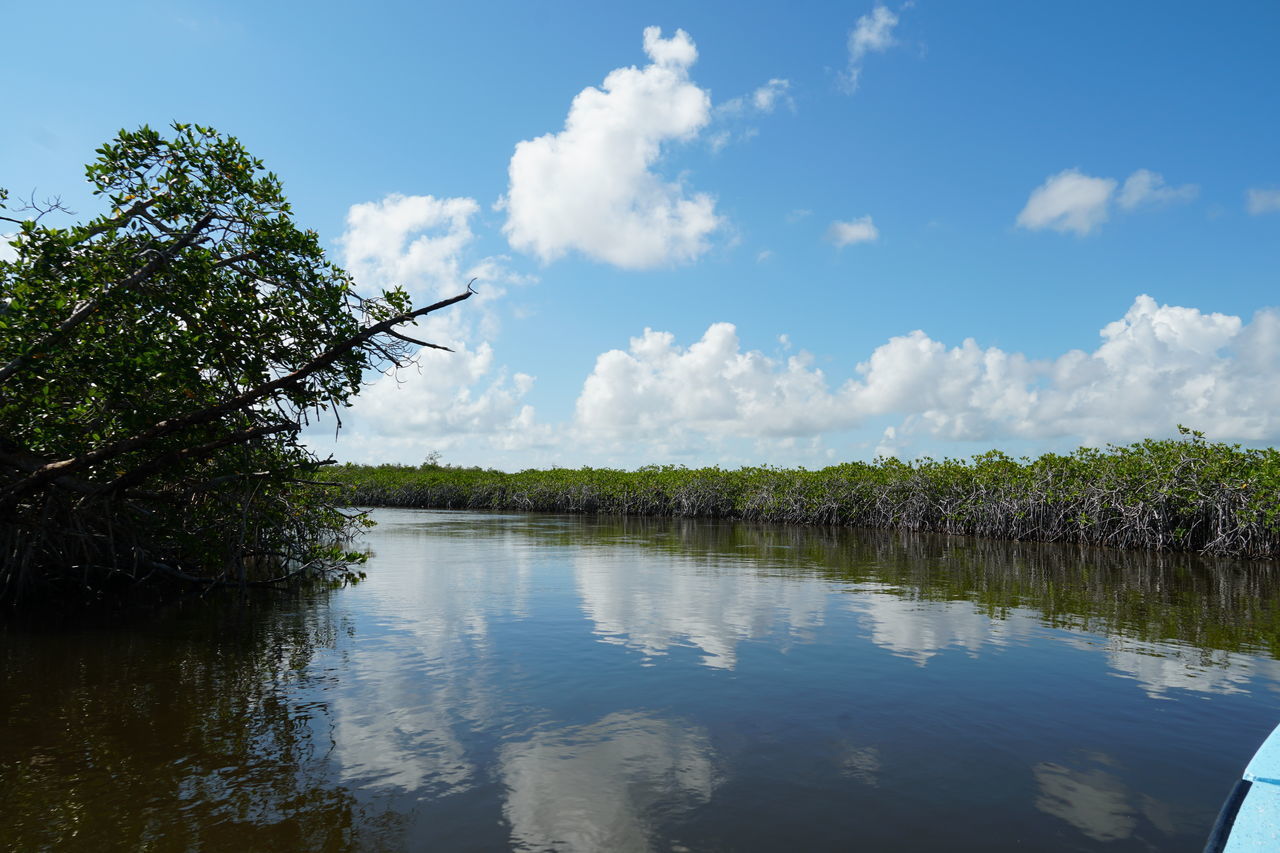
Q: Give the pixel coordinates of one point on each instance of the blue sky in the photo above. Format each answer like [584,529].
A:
[757,233]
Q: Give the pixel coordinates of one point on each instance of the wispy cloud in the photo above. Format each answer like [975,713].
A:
[873,34]
[1145,187]
[771,94]
[738,112]
[860,230]
[1258,200]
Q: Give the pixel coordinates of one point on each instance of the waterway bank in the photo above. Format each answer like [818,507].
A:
[1174,495]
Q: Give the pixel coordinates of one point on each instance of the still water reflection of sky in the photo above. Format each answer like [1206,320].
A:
[550,683]
[614,695]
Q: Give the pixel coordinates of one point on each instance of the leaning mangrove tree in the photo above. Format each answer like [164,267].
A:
[156,365]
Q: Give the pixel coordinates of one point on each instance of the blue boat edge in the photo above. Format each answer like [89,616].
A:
[1249,820]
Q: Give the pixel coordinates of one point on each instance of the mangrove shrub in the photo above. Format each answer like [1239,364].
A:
[1184,494]
[157,362]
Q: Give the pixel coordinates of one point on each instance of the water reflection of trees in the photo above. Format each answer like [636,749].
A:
[1217,604]
[188,735]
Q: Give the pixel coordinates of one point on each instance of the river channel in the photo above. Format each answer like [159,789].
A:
[539,682]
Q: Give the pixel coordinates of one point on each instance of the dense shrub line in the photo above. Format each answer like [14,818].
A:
[1183,494]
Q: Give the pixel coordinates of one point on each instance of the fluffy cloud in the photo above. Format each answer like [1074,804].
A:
[444,401]
[415,242]
[420,243]
[861,230]
[1074,201]
[7,252]
[658,388]
[1154,368]
[592,187]
[1262,201]
[873,34]
[1146,187]
[1068,201]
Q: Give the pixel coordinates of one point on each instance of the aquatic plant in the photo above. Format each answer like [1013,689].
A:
[1185,494]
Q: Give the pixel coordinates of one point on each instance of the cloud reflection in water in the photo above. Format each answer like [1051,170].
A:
[610,785]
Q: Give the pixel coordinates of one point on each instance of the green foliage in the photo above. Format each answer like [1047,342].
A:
[1185,495]
[157,362]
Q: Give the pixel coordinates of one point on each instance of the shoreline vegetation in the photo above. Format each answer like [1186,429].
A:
[1184,494]
[157,364]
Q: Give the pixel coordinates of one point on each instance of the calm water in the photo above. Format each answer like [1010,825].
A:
[553,683]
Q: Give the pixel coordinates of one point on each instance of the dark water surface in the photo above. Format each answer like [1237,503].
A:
[556,683]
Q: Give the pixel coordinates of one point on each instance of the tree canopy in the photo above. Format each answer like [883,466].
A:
[156,365]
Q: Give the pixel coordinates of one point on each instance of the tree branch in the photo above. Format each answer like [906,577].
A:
[393,333]
[63,467]
[30,463]
[142,472]
[234,259]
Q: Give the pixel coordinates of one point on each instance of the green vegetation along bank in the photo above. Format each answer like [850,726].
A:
[1183,494]
[157,363]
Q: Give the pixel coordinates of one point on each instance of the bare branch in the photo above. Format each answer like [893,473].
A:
[393,333]
[234,259]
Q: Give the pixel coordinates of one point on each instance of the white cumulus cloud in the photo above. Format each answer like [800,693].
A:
[1074,201]
[447,400]
[415,242]
[861,230]
[1260,200]
[873,34]
[657,388]
[592,187]
[1154,368]
[1068,201]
